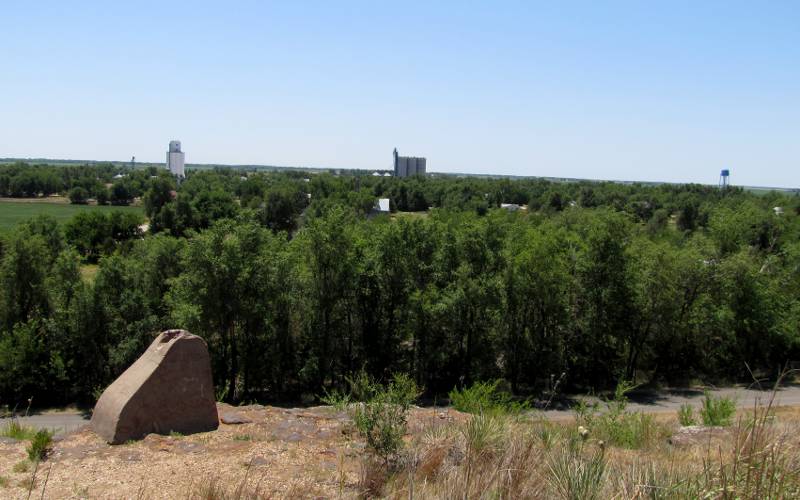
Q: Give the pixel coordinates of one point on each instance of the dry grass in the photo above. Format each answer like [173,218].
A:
[504,457]
[309,453]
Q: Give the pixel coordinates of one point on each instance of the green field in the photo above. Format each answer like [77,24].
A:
[13,212]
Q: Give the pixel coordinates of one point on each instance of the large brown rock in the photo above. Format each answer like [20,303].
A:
[168,389]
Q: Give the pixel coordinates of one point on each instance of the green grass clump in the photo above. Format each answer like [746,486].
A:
[40,445]
[338,399]
[686,415]
[3,482]
[629,430]
[22,466]
[13,429]
[576,474]
[618,426]
[486,397]
[717,410]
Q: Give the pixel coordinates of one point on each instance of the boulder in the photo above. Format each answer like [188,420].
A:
[168,389]
[233,418]
[693,435]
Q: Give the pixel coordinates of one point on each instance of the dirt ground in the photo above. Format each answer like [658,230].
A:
[283,453]
[280,452]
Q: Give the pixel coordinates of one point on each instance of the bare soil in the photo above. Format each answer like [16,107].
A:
[282,453]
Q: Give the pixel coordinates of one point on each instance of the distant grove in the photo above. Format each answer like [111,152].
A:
[595,281]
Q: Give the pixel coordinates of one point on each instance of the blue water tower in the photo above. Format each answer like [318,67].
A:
[724,177]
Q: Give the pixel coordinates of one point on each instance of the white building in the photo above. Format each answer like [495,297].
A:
[381,207]
[175,159]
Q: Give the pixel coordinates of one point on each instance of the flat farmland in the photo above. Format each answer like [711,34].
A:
[13,210]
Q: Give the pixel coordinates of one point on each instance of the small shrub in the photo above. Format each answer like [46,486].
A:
[175,434]
[717,410]
[243,437]
[485,397]
[382,419]
[3,482]
[40,445]
[686,415]
[362,386]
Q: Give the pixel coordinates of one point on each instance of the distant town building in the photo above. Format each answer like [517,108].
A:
[407,166]
[724,178]
[381,207]
[175,159]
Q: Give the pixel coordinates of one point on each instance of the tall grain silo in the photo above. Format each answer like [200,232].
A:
[175,159]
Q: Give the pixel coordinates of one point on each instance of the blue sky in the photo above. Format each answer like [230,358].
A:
[606,90]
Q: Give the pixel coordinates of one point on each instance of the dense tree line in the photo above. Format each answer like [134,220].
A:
[101,183]
[597,281]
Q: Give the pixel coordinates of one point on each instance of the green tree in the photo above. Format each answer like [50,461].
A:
[78,196]
[222,293]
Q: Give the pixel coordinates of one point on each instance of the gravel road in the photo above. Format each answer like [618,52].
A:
[667,401]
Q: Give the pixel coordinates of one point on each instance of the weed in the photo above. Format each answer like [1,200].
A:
[373,477]
[575,475]
[717,410]
[338,399]
[763,462]
[27,483]
[40,445]
[686,415]
[22,466]
[483,434]
[617,426]
[243,437]
[13,429]
[362,386]
[215,488]
[486,397]
[548,433]
[3,482]
[175,434]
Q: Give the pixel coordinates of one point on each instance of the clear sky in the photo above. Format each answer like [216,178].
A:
[598,89]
